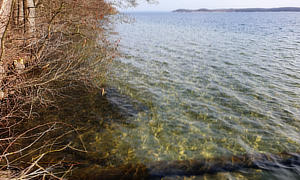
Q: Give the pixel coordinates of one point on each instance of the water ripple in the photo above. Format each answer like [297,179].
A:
[214,83]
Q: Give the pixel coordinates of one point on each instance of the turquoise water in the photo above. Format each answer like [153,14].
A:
[210,85]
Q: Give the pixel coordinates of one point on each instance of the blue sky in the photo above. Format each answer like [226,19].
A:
[169,5]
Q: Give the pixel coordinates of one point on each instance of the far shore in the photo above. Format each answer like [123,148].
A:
[280,9]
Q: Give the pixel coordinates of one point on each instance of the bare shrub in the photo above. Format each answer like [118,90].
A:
[49,47]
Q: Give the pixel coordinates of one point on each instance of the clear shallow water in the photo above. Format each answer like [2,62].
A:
[211,85]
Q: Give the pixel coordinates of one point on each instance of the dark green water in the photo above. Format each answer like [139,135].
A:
[203,86]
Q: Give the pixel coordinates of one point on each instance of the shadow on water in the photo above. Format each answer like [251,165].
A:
[111,107]
[187,168]
[98,118]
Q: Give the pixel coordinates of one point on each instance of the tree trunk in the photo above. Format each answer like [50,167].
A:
[20,13]
[5,12]
[24,7]
[31,17]
[14,17]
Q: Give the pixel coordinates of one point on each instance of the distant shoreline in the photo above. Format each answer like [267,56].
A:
[280,9]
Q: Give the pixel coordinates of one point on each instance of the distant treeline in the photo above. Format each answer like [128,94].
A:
[281,9]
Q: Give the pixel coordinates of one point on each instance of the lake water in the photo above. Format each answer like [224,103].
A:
[208,85]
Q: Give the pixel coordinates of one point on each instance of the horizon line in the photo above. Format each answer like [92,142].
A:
[132,10]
